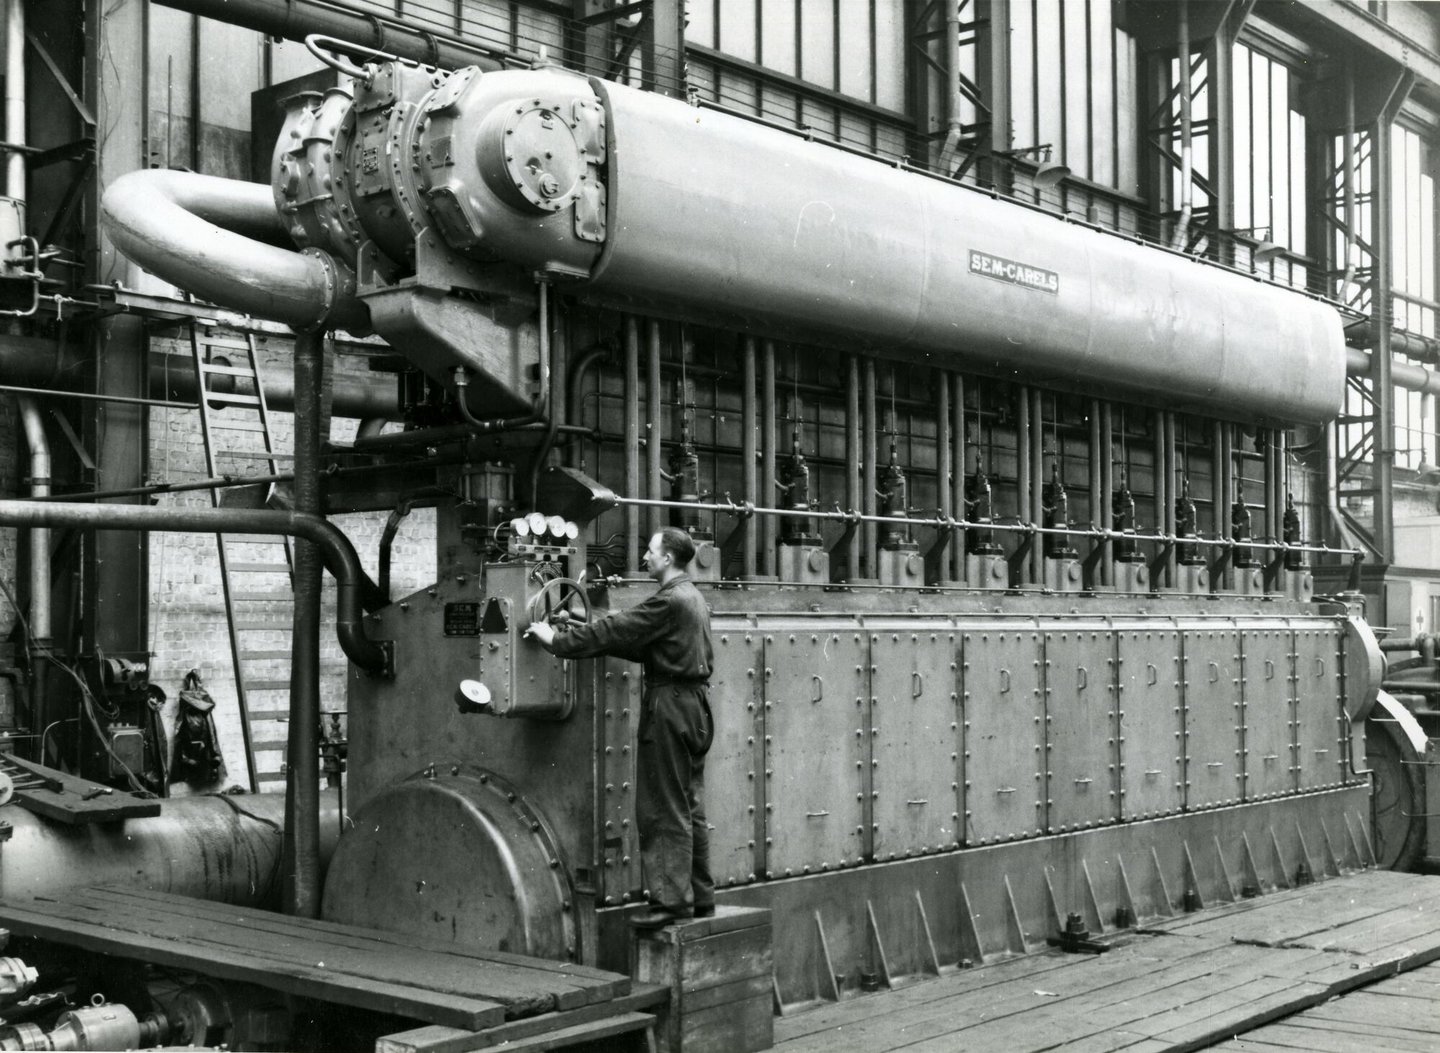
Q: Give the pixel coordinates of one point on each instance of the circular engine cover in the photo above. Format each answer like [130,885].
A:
[454,854]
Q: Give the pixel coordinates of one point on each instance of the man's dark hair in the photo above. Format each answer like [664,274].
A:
[676,542]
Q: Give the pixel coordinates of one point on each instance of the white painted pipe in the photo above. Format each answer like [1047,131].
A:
[39,448]
[15,97]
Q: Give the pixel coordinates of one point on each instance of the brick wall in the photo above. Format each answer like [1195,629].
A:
[188,625]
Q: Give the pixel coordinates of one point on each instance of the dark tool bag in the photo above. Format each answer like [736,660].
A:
[197,758]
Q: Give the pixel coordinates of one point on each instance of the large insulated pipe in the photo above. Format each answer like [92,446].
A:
[39,448]
[769,425]
[1098,497]
[870,471]
[298,19]
[1402,374]
[37,363]
[1167,486]
[1105,510]
[1332,487]
[944,470]
[769,422]
[373,396]
[957,482]
[1038,479]
[217,847]
[863,255]
[219,239]
[655,425]
[914,266]
[632,442]
[15,101]
[853,460]
[338,554]
[300,868]
[749,451]
[1024,484]
[1187,134]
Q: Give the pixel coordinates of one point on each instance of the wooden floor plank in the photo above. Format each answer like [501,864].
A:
[1305,1032]
[1195,1030]
[1198,982]
[1396,926]
[1300,914]
[340,944]
[1289,1037]
[1196,999]
[273,973]
[842,1014]
[574,971]
[491,981]
[1412,1012]
[1120,1040]
[978,1016]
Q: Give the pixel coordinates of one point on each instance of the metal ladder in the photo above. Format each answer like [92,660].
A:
[256,571]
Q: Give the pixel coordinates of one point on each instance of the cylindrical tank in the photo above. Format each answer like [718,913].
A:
[726,220]
[223,848]
[751,224]
[640,200]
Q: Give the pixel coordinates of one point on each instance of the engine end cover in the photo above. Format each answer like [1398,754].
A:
[454,854]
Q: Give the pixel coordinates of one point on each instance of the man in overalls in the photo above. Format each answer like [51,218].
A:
[670,634]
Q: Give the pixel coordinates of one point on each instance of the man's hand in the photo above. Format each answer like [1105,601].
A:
[541,632]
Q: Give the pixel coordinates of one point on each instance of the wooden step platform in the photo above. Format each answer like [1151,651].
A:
[435,983]
[1187,983]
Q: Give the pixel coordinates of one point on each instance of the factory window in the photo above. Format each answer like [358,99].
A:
[836,69]
[1269,151]
[1072,76]
[1413,281]
[1413,227]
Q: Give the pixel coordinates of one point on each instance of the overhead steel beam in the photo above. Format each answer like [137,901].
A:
[297,19]
[1359,26]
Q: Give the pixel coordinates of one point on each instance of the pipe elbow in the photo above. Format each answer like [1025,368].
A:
[222,239]
[352,588]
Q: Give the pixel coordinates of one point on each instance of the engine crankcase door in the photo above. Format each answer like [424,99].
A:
[1082,755]
[1321,725]
[817,751]
[1268,687]
[454,854]
[1214,718]
[1152,727]
[1004,717]
[915,742]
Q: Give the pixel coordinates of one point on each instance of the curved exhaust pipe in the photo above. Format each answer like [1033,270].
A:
[221,240]
[353,587]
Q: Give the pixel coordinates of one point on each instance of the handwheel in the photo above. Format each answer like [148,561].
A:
[556,595]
